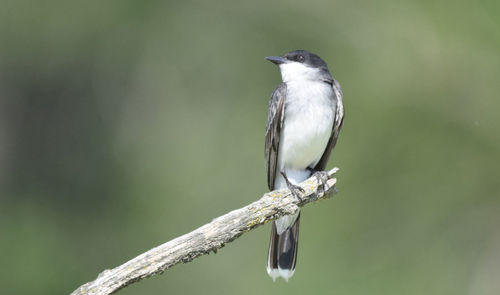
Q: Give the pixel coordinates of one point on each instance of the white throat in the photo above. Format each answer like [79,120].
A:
[298,71]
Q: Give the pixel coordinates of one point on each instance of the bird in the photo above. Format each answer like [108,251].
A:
[305,116]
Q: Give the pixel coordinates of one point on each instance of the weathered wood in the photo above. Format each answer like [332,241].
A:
[208,238]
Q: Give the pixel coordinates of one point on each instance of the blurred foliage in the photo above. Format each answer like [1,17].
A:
[119,119]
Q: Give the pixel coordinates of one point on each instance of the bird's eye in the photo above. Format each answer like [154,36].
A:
[300,58]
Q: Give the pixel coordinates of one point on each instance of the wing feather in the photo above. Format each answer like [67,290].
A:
[337,125]
[273,131]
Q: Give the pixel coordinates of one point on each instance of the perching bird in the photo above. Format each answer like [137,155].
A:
[304,120]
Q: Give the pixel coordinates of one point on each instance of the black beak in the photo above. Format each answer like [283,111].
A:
[277,60]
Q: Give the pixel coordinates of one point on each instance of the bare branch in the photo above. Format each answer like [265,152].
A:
[208,238]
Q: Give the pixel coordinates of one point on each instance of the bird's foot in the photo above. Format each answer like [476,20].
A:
[322,178]
[296,190]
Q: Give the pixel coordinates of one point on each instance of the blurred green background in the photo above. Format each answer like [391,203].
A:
[120,119]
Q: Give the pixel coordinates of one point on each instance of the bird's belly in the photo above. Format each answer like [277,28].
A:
[305,136]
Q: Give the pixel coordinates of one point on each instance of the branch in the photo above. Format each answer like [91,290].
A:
[208,238]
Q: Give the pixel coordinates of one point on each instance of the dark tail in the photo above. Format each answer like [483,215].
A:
[282,255]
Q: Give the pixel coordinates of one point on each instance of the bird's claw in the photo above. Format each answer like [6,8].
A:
[296,190]
[322,178]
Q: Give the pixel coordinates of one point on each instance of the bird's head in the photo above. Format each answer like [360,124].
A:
[301,64]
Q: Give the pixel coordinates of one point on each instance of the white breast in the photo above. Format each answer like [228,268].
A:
[307,126]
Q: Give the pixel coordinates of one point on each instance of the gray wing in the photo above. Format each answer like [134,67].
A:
[273,131]
[337,125]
